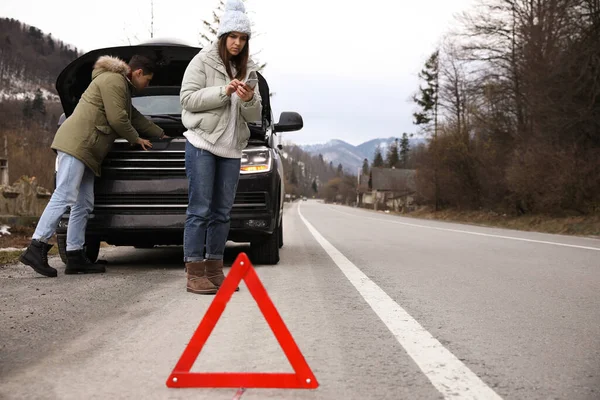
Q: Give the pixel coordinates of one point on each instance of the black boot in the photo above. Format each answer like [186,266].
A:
[78,263]
[36,256]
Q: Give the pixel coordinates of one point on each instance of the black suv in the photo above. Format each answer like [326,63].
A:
[141,197]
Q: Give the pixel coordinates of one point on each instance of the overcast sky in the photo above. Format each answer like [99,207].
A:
[350,70]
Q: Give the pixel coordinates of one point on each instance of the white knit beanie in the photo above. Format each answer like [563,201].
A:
[234,19]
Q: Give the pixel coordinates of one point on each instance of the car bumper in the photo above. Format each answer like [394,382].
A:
[100,223]
[129,212]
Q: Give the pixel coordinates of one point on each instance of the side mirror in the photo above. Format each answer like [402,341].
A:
[289,121]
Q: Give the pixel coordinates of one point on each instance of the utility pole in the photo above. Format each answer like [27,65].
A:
[152,18]
[358,186]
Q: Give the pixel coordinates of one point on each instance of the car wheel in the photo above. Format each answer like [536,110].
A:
[280,234]
[92,247]
[62,247]
[266,251]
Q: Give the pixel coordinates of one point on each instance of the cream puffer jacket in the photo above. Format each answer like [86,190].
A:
[206,107]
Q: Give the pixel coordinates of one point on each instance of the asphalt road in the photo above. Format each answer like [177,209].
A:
[381,307]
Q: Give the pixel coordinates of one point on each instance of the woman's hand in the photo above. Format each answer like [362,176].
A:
[245,93]
[232,87]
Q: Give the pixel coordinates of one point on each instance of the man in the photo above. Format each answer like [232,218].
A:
[103,114]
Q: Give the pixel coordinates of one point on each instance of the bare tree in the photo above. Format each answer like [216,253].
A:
[519,108]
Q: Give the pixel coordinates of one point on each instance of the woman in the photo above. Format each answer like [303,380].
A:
[217,104]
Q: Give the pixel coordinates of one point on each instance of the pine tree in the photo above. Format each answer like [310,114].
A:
[38,103]
[365,167]
[404,149]
[378,159]
[428,102]
[35,33]
[314,186]
[340,170]
[51,42]
[392,156]
[427,99]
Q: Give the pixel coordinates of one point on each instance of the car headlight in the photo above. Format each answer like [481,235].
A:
[255,161]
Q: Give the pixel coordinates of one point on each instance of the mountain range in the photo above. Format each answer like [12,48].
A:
[351,157]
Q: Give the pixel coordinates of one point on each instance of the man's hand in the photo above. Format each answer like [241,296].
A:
[245,93]
[232,87]
[144,143]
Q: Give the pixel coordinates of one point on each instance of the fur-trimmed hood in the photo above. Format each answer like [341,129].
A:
[110,64]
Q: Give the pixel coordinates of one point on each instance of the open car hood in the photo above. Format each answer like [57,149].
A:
[171,59]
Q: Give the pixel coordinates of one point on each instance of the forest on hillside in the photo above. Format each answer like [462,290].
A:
[30,62]
[29,55]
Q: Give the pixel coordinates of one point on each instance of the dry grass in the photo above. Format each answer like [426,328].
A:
[11,257]
[572,225]
[19,238]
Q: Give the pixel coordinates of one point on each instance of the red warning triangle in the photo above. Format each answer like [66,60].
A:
[181,377]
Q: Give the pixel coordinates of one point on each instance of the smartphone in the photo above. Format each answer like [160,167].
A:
[252,82]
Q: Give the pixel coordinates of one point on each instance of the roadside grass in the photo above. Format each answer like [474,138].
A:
[564,225]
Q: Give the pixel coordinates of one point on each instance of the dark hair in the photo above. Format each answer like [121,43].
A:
[240,61]
[142,62]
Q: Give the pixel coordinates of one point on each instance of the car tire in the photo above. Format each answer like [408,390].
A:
[266,251]
[62,247]
[280,234]
[92,247]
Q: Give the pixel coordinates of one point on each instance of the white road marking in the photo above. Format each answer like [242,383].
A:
[448,374]
[471,232]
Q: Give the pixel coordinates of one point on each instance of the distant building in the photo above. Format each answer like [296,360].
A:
[363,190]
[388,188]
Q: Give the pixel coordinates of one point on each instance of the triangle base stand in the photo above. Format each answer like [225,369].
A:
[302,378]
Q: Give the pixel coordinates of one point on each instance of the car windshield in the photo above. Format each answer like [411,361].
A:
[158,105]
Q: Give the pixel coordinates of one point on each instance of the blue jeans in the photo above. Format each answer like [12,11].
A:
[212,183]
[74,189]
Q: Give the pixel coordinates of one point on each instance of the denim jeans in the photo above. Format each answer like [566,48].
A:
[212,183]
[75,190]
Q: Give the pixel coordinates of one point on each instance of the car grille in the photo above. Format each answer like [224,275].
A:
[250,201]
[170,202]
[127,165]
[141,199]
